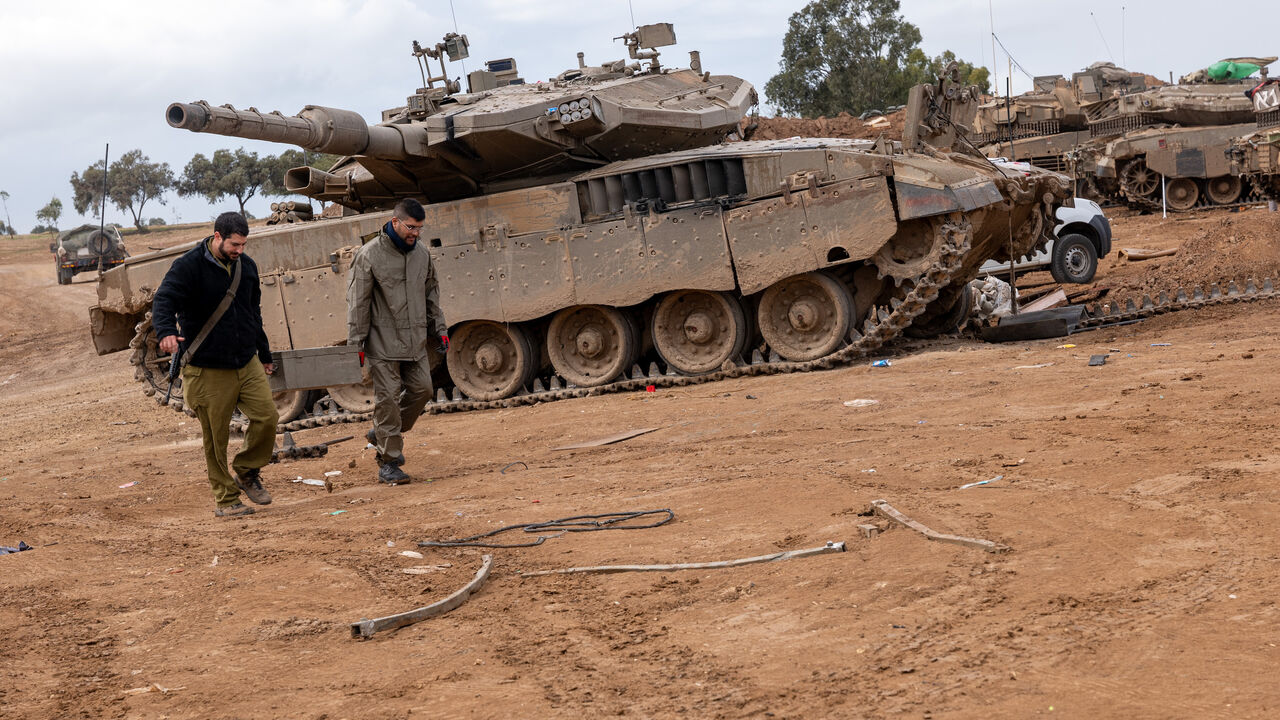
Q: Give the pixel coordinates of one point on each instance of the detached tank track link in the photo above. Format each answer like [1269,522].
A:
[1099,316]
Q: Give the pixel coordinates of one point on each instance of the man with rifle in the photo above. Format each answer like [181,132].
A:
[210,305]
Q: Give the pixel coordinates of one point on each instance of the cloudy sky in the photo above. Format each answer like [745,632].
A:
[78,74]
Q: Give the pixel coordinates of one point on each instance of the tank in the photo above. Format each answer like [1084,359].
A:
[1256,156]
[610,220]
[1149,148]
[88,247]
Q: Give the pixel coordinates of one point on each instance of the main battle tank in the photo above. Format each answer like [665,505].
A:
[1148,147]
[599,223]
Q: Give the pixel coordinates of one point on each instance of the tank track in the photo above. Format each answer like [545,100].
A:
[1103,315]
[1250,195]
[886,324]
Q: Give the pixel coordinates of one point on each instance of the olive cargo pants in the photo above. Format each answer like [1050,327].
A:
[214,394]
[401,389]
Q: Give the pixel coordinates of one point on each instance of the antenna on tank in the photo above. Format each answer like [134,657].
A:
[995,68]
[1124,61]
[102,219]
[1104,37]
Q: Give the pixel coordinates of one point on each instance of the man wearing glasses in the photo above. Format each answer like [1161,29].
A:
[393,307]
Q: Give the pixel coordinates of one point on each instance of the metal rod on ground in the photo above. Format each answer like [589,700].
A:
[830,547]
[1013,272]
[883,508]
[367,628]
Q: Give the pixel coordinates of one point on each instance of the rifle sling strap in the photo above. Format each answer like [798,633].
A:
[215,317]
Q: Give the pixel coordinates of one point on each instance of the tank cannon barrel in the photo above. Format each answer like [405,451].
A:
[322,129]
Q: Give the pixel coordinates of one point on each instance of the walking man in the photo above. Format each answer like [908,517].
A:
[209,307]
[393,307]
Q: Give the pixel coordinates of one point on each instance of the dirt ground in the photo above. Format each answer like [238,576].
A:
[1139,500]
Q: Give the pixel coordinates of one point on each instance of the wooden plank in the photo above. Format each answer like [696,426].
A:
[1053,299]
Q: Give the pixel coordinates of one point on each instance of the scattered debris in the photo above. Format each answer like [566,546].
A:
[1068,346]
[1032,367]
[130,484]
[425,569]
[607,440]
[337,512]
[1161,344]
[411,554]
[1095,360]
[830,547]
[153,687]
[215,562]
[367,628]
[868,530]
[860,402]
[291,450]
[333,473]
[880,363]
[883,508]
[980,482]
[5,550]
[508,466]
[1136,254]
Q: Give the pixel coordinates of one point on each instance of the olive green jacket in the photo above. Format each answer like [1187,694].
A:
[393,300]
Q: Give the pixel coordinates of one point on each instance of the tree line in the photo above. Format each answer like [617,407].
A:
[853,56]
[133,181]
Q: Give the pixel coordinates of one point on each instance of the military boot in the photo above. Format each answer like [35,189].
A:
[391,474]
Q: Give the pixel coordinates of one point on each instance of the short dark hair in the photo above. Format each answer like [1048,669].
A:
[231,223]
[410,208]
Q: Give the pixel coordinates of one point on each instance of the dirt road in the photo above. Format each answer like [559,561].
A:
[1139,499]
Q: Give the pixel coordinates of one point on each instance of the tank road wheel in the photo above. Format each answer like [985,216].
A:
[696,331]
[490,360]
[290,403]
[1138,179]
[804,317]
[1182,193]
[590,345]
[1223,190]
[911,252]
[357,398]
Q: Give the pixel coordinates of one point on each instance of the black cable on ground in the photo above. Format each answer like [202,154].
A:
[577,523]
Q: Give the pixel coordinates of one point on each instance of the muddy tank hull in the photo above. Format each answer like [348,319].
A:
[781,246]
[1175,168]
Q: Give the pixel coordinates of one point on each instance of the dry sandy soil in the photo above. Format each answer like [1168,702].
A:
[1139,500]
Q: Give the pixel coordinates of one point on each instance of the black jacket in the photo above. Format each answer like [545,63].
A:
[189,294]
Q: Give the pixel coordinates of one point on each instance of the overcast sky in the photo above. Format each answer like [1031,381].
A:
[78,73]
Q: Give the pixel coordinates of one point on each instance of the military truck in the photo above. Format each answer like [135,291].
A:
[589,226]
[88,247]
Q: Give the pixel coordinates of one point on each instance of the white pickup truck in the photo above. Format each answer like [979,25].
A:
[1081,236]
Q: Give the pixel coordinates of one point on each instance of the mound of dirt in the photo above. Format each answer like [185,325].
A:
[1217,247]
[843,125]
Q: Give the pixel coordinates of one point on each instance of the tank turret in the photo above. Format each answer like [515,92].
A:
[444,144]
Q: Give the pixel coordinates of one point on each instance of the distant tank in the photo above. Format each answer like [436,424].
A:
[1148,148]
[86,248]
[590,226]
[1256,156]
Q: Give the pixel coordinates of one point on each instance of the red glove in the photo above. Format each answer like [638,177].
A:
[444,343]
